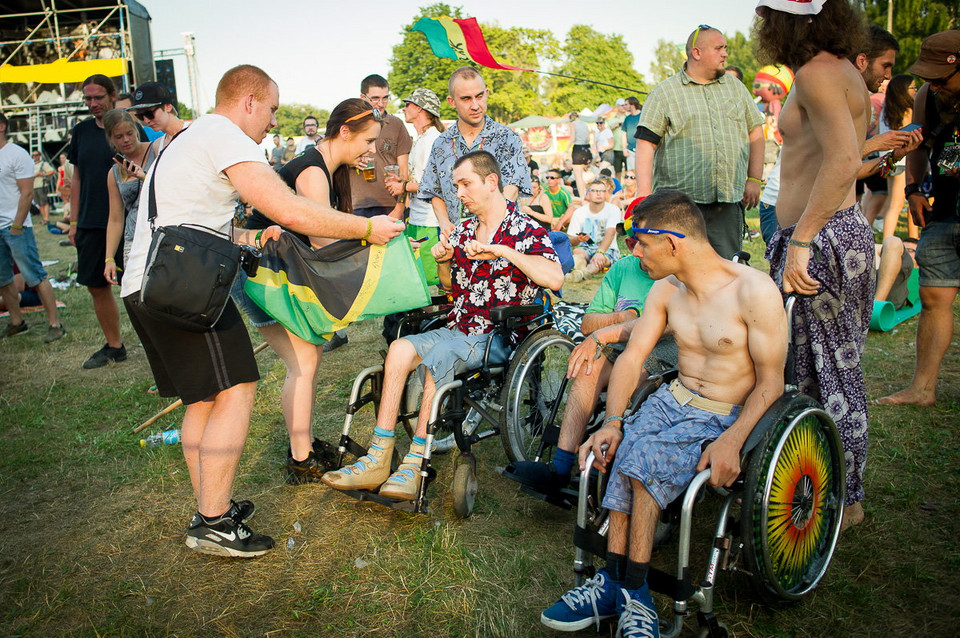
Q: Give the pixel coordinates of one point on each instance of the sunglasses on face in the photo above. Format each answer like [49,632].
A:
[146,113]
[629,177]
[377,115]
[696,34]
[552,177]
[656,231]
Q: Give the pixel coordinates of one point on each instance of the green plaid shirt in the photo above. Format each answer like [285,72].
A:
[704,129]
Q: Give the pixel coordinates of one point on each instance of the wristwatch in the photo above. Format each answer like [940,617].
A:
[910,189]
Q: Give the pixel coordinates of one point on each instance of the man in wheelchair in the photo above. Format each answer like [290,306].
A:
[607,323]
[731,336]
[499,256]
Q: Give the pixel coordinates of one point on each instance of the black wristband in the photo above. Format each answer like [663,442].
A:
[910,189]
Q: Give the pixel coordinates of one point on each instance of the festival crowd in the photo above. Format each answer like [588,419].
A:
[675,173]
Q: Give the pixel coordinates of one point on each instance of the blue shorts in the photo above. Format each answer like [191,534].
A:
[447,353]
[22,249]
[661,447]
[258,316]
[938,255]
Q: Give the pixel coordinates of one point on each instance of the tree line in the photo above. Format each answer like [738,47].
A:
[587,53]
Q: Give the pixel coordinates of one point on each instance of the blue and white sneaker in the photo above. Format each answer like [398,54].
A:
[639,616]
[585,605]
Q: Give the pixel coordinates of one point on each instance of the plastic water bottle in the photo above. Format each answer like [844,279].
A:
[170,437]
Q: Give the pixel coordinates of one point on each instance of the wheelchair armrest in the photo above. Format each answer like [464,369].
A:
[769,418]
[742,257]
[501,314]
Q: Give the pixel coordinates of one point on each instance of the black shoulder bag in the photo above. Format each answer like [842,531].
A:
[189,272]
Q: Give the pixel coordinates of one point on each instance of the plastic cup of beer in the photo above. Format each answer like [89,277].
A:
[369,169]
[392,169]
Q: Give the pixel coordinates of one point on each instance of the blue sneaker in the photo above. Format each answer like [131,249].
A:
[639,616]
[585,605]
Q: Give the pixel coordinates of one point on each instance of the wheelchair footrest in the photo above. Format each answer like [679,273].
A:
[392,503]
[565,498]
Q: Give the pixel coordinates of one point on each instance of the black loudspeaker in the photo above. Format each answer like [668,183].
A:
[167,77]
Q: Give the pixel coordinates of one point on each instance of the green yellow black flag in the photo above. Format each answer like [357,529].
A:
[313,293]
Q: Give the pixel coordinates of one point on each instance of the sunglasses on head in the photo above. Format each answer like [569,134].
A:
[696,34]
[377,115]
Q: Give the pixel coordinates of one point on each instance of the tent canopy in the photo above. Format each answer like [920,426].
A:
[532,121]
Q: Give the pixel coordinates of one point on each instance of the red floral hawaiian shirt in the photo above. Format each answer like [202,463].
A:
[481,285]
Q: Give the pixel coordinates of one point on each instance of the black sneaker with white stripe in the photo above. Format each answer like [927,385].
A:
[227,536]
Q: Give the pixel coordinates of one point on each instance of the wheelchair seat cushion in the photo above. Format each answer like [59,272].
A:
[661,447]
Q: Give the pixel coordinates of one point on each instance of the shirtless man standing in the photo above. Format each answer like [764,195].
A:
[731,335]
[824,249]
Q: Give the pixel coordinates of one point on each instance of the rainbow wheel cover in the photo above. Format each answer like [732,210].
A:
[802,502]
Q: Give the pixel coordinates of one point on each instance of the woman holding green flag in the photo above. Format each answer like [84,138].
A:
[321,173]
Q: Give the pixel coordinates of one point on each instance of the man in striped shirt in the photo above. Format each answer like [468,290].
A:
[700,133]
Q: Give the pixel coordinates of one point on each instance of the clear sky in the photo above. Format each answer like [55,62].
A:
[318,51]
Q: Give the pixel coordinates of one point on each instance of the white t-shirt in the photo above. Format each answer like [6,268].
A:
[15,163]
[306,143]
[191,186]
[595,224]
[421,211]
[771,188]
[605,140]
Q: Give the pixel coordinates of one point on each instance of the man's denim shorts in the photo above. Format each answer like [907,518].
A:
[447,353]
[938,255]
[661,447]
[21,248]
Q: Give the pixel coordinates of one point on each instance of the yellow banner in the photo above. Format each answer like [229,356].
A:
[62,71]
[455,37]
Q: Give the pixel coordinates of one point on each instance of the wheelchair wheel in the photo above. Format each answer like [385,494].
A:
[793,501]
[531,390]
[464,487]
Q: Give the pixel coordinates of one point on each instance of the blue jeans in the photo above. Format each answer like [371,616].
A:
[21,248]
[768,221]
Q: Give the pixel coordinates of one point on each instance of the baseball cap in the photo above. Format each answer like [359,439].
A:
[425,99]
[796,7]
[149,95]
[938,55]
[620,101]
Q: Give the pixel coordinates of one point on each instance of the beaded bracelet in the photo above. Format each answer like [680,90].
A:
[611,419]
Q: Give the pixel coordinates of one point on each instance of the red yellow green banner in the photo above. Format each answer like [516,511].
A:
[459,39]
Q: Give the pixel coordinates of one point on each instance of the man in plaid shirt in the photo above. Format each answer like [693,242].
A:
[700,133]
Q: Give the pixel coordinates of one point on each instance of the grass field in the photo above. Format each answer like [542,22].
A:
[92,525]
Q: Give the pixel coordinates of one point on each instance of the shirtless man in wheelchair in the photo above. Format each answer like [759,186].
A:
[731,335]
[499,256]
